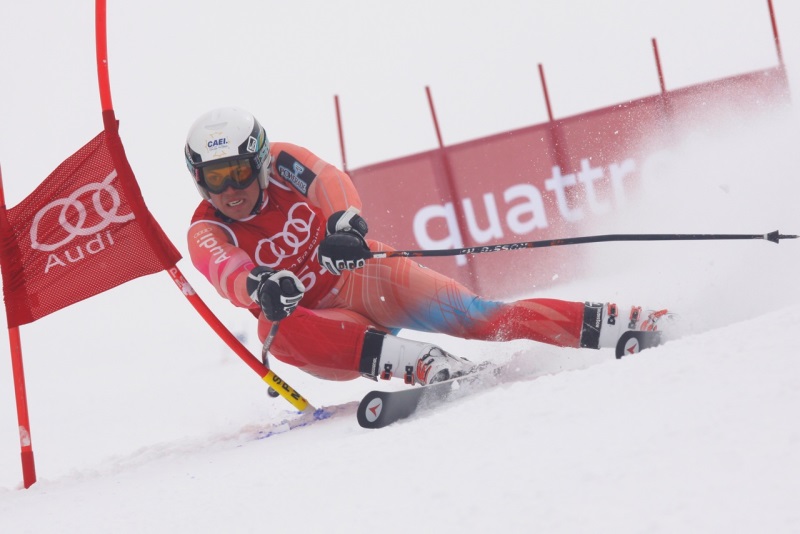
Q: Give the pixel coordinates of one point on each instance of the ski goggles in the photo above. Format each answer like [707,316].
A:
[217,176]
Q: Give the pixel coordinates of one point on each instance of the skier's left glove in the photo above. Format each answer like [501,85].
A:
[344,248]
[278,293]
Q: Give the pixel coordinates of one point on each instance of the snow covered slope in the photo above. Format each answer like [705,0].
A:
[699,435]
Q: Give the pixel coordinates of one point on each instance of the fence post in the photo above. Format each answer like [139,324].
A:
[341,134]
[461,218]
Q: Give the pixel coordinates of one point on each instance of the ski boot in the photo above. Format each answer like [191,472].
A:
[385,356]
[628,333]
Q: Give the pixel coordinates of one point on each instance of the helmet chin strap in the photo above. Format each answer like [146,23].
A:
[263,198]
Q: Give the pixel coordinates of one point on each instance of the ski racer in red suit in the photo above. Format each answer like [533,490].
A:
[280,232]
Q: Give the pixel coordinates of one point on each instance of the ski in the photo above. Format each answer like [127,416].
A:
[378,409]
[381,408]
[305,419]
[635,341]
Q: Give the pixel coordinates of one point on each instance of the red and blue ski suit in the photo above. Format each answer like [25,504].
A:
[325,335]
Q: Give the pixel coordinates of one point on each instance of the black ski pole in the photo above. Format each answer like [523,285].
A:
[273,331]
[775,237]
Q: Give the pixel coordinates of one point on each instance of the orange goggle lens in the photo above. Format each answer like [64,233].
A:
[217,177]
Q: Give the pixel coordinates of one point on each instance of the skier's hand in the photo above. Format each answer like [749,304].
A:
[348,220]
[278,293]
[344,248]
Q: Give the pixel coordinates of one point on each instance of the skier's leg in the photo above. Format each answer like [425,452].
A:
[628,330]
[399,293]
[323,343]
[390,356]
[340,344]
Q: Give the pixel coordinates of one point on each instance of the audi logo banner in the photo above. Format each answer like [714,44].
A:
[83,231]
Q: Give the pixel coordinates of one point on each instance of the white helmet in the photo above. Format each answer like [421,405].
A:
[227,137]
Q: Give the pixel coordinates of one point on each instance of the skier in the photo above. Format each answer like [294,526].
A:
[280,232]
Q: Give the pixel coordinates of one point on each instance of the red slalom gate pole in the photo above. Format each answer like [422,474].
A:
[25,443]
[20,394]
[101,42]
[266,374]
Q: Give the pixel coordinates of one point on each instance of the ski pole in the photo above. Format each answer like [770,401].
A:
[272,392]
[775,237]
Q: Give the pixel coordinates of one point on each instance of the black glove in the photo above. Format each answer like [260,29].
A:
[276,292]
[344,248]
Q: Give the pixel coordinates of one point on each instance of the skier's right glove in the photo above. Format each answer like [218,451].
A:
[278,293]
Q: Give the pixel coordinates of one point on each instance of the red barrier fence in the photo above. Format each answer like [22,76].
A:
[540,182]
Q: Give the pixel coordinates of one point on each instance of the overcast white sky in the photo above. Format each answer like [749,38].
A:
[285,61]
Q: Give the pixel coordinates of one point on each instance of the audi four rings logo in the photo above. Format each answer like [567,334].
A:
[287,243]
[73,204]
